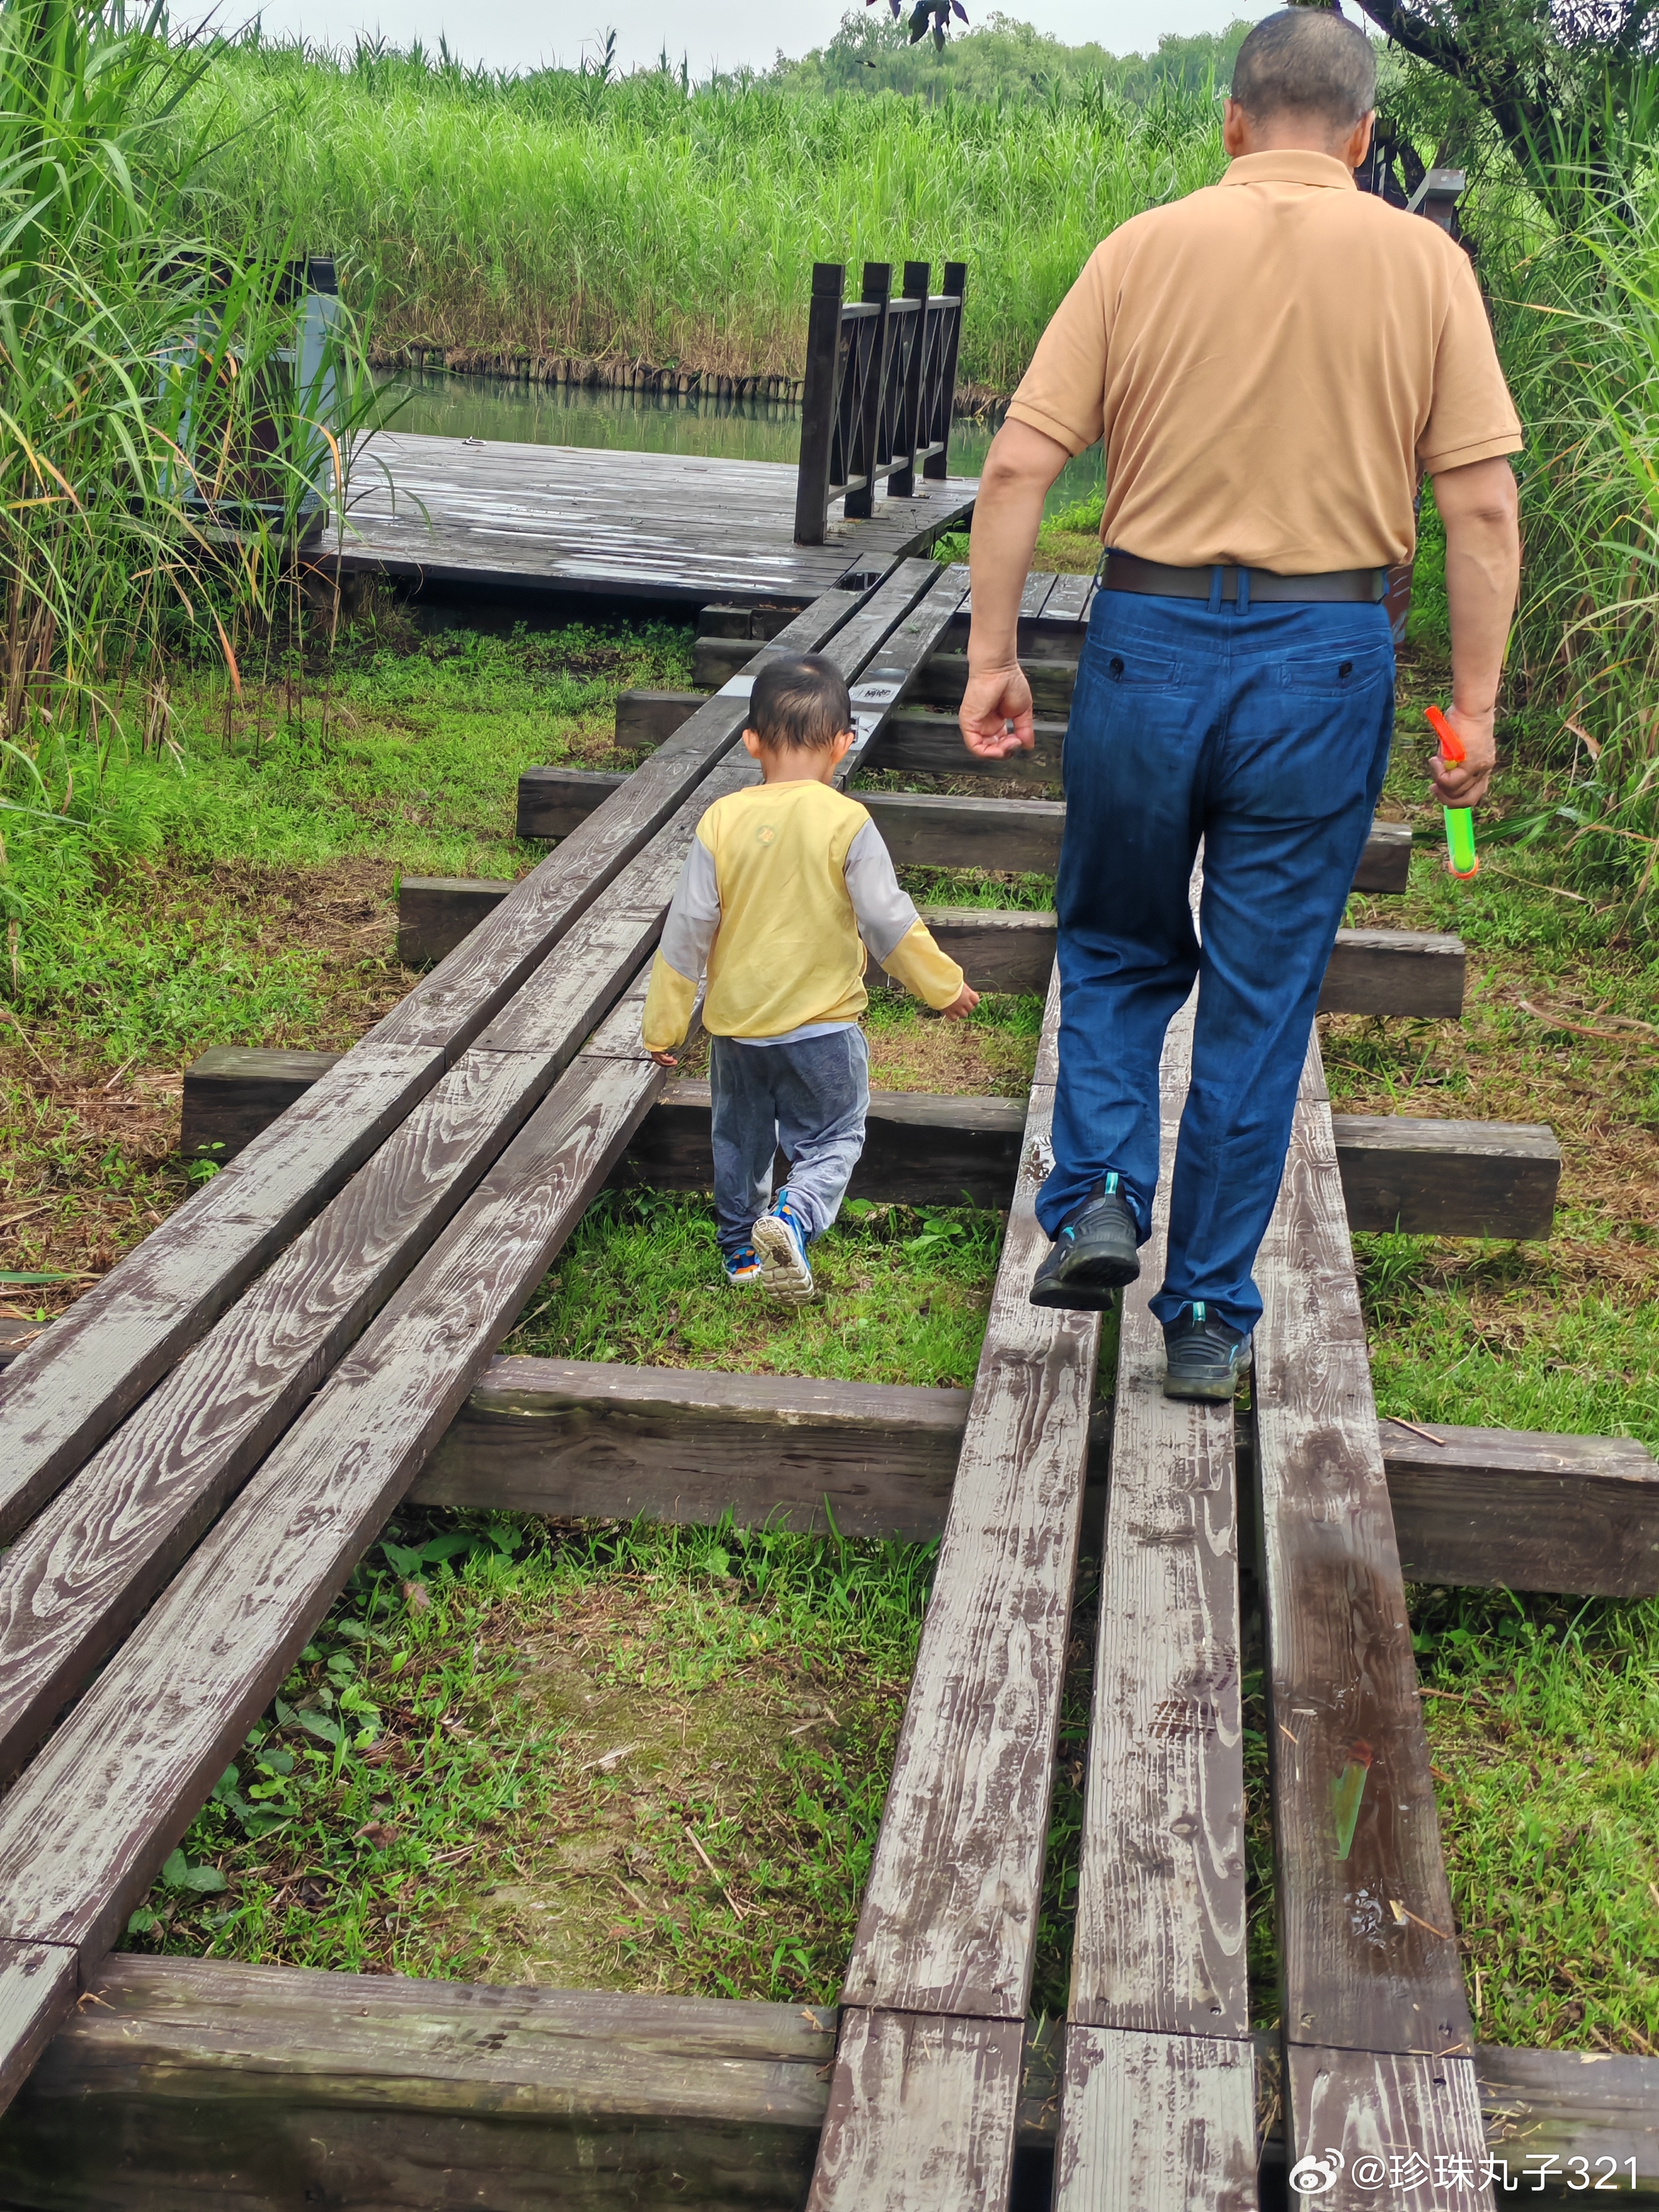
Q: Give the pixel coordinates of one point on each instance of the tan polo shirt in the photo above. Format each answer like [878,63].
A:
[1270,361]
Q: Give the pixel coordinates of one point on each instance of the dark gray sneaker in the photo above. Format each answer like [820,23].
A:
[1204,1358]
[1092,1256]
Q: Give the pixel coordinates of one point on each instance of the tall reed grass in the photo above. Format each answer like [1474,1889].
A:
[562,214]
[156,445]
[1577,318]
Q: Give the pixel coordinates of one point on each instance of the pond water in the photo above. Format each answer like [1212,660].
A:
[446,406]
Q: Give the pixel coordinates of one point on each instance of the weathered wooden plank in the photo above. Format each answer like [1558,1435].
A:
[1503,1182]
[590,1436]
[1522,1511]
[1051,683]
[554,801]
[921,2115]
[999,949]
[1368,1949]
[63,1394]
[1156,2123]
[1159,1942]
[648,718]
[1385,864]
[80,1574]
[922,743]
[91,1819]
[250,2088]
[434,912]
[183,2082]
[919,1148]
[1567,2106]
[1394,971]
[949,1919]
[935,830]
[1393,2120]
[37,1985]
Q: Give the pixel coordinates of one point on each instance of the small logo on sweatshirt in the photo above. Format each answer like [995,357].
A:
[765,834]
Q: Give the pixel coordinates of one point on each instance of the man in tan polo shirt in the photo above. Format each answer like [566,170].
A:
[1271,362]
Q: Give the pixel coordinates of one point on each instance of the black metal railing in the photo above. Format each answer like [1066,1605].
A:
[880,389]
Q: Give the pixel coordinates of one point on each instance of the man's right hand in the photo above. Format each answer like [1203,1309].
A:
[996,713]
[1463,783]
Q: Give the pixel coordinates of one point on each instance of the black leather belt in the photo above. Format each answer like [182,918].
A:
[1126,572]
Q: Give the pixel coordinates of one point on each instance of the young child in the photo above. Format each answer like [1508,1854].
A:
[783,882]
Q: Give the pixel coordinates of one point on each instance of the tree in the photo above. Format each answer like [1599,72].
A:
[1565,82]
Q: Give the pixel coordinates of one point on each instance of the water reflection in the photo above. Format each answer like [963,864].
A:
[446,406]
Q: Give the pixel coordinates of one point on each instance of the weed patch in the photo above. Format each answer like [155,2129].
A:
[652,1759]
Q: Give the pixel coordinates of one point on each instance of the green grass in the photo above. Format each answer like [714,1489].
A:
[490,1763]
[140,923]
[904,1295]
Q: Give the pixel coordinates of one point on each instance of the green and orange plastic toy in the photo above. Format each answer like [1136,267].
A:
[1460,856]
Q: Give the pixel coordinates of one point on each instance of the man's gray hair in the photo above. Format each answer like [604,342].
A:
[1309,60]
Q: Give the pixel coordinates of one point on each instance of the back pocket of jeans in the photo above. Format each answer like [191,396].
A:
[1128,668]
[1340,669]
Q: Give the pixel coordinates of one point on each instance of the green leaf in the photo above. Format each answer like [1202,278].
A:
[176,1868]
[319,1725]
[141,1922]
[11,1276]
[206,1879]
[403,1559]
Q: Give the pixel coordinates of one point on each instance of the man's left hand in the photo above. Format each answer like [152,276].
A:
[1463,783]
[996,713]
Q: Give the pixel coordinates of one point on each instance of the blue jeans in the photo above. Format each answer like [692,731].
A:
[1264,732]
[812,1099]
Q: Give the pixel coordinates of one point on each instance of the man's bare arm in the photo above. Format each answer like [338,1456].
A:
[1018,470]
[1479,506]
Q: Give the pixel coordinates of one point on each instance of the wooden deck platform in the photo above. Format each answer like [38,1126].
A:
[584,519]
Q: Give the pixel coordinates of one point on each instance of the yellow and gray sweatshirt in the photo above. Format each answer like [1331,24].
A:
[784,887]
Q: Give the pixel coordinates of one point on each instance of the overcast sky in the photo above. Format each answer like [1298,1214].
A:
[507,35]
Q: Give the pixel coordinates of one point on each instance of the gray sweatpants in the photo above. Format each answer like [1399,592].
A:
[810,1098]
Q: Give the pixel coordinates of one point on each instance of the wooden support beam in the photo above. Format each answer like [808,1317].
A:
[199,2085]
[434,912]
[1416,973]
[1447,1178]
[595,1438]
[932,829]
[1509,1508]
[1486,1508]
[915,742]
[1422,1178]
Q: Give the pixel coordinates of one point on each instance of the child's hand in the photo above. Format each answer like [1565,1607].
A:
[962,1005]
[666,1059]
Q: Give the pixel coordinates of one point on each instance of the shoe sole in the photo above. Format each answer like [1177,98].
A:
[1221,1392]
[1086,1286]
[782,1271]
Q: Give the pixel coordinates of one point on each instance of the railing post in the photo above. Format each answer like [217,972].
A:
[902,484]
[861,462]
[817,422]
[937,466]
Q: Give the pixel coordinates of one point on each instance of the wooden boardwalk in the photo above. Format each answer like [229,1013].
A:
[191,1461]
[663,526]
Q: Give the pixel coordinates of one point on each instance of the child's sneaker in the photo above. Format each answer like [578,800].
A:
[781,1242]
[742,1269]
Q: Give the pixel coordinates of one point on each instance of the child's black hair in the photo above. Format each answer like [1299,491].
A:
[799,702]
